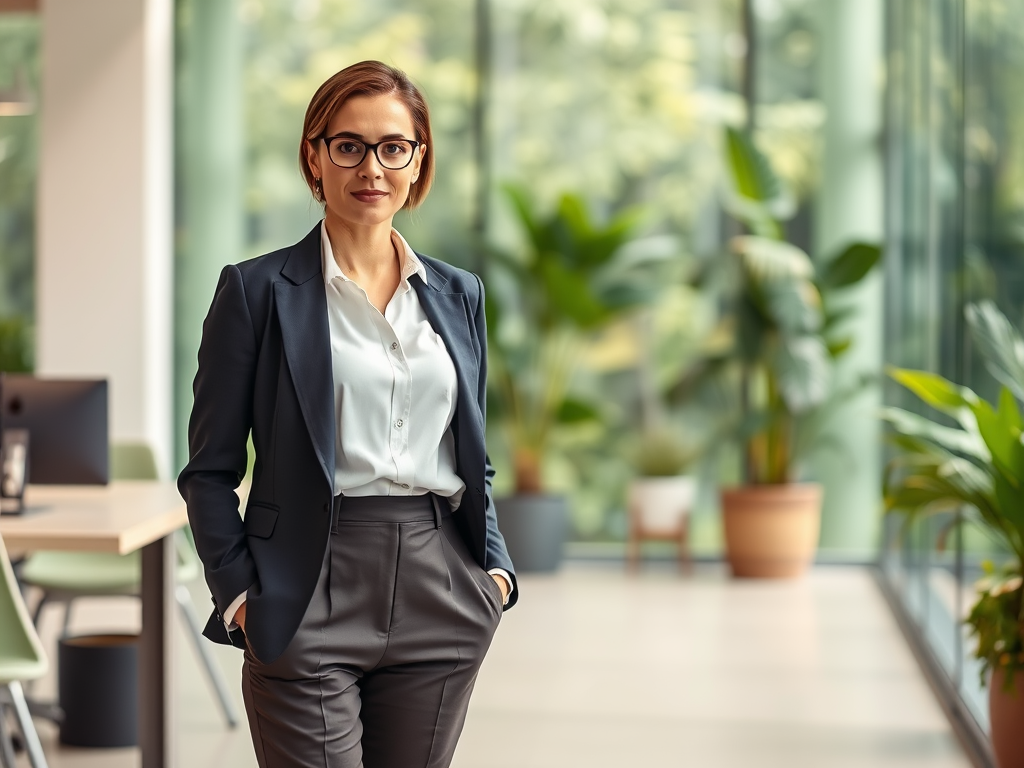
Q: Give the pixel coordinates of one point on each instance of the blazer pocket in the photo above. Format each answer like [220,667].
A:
[260,520]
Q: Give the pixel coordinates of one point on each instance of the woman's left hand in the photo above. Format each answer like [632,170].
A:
[503,585]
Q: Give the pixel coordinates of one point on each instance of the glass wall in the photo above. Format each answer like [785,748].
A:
[622,102]
[955,204]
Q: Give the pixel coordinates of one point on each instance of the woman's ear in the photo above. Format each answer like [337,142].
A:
[421,152]
[313,158]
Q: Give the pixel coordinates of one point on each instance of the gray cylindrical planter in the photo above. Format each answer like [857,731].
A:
[98,687]
[535,528]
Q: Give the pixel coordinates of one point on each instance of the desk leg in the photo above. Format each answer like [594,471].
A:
[156,656]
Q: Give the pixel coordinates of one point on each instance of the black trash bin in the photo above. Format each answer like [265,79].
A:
[99,692]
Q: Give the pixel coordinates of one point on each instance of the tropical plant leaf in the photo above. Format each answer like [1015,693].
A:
[838,347]
[804,374]
[755,191]
[938,392]
[970,479]
[850,267]
[1011,505]
[570,292]
[601,246]
[766,259]
[575,411]
[1007,410]
[999,343]
[793,305]
[1003,441]
[916,426]
[751,172]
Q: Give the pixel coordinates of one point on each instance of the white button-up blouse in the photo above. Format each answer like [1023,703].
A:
[394,389]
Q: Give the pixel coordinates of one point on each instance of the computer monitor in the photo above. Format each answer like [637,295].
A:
[67,424]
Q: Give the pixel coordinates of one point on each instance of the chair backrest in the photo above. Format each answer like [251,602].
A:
[18,638]
[132,461]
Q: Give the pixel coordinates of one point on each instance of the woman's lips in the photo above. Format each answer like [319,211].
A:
[369,195]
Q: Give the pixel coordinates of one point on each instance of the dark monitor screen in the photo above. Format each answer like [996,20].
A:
[67,424]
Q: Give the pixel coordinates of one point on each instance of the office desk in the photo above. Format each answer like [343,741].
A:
[122,517]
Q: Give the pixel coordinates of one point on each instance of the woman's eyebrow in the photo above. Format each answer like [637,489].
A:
[360,137]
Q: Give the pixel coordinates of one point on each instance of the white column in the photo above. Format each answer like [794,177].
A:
[849,207]
[104,262]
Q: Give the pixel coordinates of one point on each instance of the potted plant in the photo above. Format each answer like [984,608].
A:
[660,496]
[787,312]
[975,468]
[571,277]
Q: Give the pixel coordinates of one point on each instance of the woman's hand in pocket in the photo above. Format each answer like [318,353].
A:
[503,585]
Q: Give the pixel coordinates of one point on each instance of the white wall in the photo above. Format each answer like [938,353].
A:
[104,261]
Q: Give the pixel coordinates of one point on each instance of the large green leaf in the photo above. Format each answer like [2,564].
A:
[1011,504]
[570,292]
[950,438]
[938,392]
[755,189]
[803,371]
[1002,436]
[1007,410]
[575,411]
[850,266]
[999,343]
[602,244]
[751,172]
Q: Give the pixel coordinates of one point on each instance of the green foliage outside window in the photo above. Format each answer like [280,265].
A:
[19,59]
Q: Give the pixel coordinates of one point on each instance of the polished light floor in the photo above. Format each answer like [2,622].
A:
[595,669]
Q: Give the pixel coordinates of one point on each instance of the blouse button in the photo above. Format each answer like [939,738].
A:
[394,345]
[399,423]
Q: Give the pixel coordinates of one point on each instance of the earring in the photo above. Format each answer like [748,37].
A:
[318,188]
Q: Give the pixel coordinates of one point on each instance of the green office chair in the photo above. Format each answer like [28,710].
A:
[21,658]
[64,577]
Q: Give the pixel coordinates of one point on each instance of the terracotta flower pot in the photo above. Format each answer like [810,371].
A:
[771,531]
[1006,713]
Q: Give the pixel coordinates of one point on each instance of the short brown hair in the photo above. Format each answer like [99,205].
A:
[368,78]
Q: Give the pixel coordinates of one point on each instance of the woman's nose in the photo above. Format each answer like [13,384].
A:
[370,168]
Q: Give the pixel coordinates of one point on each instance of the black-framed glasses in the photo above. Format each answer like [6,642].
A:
[393,154]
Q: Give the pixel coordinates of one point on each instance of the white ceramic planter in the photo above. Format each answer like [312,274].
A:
[659,505]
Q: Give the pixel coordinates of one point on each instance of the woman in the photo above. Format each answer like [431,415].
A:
[368,575]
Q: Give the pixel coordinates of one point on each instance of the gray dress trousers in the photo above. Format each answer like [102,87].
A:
[380,671]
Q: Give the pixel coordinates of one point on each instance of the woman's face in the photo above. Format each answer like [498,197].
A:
[367,194]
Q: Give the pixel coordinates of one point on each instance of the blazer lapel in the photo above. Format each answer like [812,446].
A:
[302,314]
[449,316]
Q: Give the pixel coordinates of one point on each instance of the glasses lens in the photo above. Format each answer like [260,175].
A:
[347,153]
[394,155]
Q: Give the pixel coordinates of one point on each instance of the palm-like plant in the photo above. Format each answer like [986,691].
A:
[573,276]
[788,313]
[975,469]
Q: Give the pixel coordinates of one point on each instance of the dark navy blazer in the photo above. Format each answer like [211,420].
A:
[265,367]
